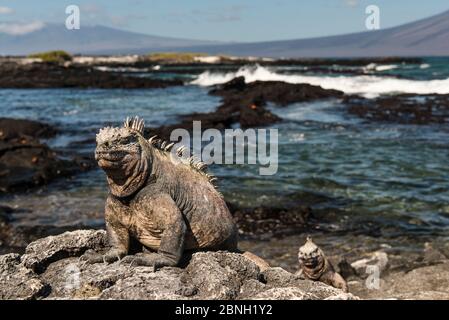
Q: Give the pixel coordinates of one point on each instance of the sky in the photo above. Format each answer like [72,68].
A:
[221,20]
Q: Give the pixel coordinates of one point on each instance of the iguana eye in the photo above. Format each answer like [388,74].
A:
[126,140]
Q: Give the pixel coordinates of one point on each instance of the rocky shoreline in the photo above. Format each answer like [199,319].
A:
[50,75]
[98,72]
[51,269]
[245,104]
[27,162]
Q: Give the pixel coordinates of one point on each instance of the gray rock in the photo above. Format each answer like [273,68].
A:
[378,259]
[51,269]
[39,254]
[17,281]
[422,283]
[430,282]
[285,293]
[219,275]
[251,288]
[278,277]
[143,283]
[297,293]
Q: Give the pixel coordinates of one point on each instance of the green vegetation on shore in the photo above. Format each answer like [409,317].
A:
[57,56]
[175,57]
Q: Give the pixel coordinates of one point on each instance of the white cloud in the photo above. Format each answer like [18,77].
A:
[91,9]
[6,10]
[352,3]
[17,29]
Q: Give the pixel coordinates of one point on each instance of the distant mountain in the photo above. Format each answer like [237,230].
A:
[88,40]
[426,37]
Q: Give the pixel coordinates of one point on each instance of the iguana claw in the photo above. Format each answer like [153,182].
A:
[149,260]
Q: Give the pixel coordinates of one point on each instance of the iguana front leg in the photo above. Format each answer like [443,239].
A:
[166,214]
[118,237]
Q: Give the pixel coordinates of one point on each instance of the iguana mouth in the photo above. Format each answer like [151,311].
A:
[311,262]
[114,159]
[111,156]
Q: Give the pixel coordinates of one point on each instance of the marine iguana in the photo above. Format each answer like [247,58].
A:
[314,265]
[163,199]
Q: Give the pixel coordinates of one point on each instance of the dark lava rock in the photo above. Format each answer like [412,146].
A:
[16,238]
[266,222]
[25,162]
[403,109]
[42,75]
[294,213]
[346,270]
[277,92]
[50,269]
[245,104]
[17,128]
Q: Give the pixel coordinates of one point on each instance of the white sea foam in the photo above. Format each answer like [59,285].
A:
[376,67]
[368,85]
[109,59]
[424,66]
[208,59]
[120,69]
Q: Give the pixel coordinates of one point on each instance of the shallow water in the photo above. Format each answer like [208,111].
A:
[390,179]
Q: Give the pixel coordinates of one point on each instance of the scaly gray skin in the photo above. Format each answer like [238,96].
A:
[314,265]
[160,198]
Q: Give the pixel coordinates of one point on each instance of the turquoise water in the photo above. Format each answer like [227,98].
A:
[389,177]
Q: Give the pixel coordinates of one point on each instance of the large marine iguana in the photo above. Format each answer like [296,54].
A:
[168,206]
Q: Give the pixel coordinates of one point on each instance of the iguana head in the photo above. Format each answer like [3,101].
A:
[310,256]
[121,153]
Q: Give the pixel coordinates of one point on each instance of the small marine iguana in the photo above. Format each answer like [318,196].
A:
[314,265]
[168,206]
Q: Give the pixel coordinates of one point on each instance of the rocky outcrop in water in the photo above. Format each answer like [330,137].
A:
[48,75]
[25,162]
[50,269]
[403,109]
[277,92]
[245,104]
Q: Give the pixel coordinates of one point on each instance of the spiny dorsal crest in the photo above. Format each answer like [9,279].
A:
[184,156]
[134,124]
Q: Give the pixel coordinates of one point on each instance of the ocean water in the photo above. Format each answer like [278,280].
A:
[381,176]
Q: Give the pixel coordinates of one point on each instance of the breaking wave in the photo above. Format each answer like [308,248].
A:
[369,86]
[379,68]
